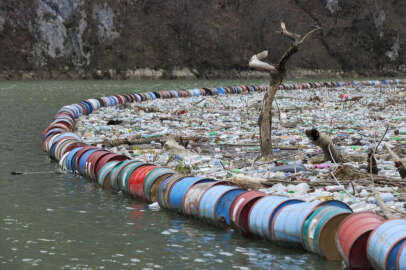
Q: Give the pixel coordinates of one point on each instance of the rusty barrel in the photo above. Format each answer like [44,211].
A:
[152,181]
[320,228]
[191,200]
[240,208]
[179,189]
[165,187]
[352,237]
[103,177]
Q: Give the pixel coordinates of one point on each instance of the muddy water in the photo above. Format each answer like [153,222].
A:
[54,221]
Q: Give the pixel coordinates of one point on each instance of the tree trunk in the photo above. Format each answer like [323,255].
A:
[265,120]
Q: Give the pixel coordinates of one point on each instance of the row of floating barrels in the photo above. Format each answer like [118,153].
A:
[330,229]
[331,84]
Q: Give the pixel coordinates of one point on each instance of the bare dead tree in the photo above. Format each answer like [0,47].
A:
[277,73]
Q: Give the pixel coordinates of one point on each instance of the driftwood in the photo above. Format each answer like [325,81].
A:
[372,165]
[400,164]
[385,209]
[346,173]
[277,73]
[161,139]
[326,144]
[255,183]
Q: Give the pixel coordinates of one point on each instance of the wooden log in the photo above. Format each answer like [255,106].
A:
[400,164]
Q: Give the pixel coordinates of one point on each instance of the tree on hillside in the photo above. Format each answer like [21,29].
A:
[277,73]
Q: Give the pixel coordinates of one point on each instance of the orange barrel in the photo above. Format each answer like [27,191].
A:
[352,238]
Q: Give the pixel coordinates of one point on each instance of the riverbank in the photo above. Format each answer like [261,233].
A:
[191,74]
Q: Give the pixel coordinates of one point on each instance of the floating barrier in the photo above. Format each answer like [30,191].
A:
[327,228]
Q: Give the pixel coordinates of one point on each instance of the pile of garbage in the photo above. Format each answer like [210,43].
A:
[119,142]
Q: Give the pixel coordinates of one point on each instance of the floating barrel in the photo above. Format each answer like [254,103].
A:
[79,154]
[384,244]
[116,172]
[401,259]
[191,200]
[288,222]
[180,188]
[164,187]
[83,160]
[152,181]
[125,175]
[320,228]
[263,211]
[71,156]
[103,177]
[92,163]
[215,203]
[62,161]
[352,237]
[240,208]
[108,158]
[136,182]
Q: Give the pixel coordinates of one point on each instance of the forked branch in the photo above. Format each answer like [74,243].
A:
[256,63]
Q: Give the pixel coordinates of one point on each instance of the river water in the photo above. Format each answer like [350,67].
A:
[56,221]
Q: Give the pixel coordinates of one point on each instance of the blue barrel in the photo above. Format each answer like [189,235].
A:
[165,187]
[153,176]
[213,207]
[105,170]
[179,189]
[221,91]
[401,259]
[83,159]
[174,93]
[288,223]
[385,242]
[70,157]
[224,204]
[264,210]
[152,95]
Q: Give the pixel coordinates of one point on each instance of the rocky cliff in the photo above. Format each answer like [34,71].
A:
[192,38]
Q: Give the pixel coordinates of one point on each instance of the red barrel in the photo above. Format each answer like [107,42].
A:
[91,163]
[136,182]
[240,208]
[352,238]
[107,158]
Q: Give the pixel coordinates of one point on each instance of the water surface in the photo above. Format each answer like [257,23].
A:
[54,221]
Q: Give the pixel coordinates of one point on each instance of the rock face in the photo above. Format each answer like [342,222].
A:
[179,38]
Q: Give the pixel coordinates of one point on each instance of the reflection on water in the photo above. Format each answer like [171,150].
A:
[54,221]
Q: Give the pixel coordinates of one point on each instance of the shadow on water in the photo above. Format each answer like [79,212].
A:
[55,221]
